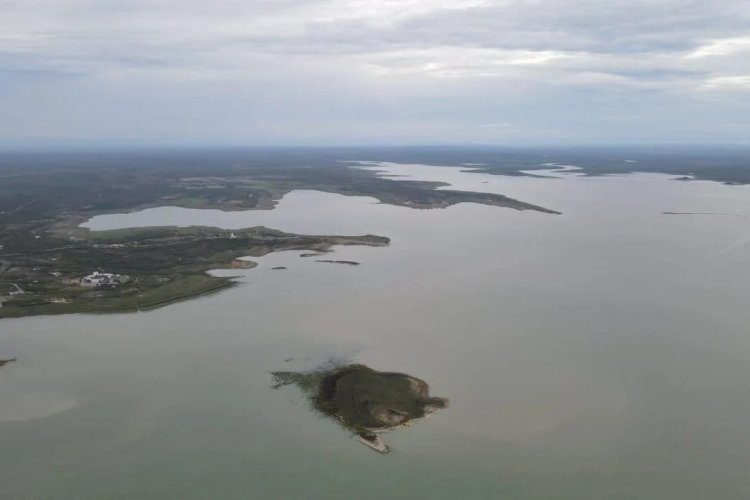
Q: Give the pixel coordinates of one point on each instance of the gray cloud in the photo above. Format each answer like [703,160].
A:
[374,70]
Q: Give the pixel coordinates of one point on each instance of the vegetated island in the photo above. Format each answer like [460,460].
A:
[346,262]
[365,401]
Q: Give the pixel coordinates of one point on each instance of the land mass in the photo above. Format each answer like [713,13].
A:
[50,265]
[145,268]
[40,186]
[46,258]
[365,401]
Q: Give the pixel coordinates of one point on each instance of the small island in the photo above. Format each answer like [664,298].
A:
[345,262]
[365,401]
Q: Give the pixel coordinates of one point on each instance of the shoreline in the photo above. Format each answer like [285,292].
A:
[152,267]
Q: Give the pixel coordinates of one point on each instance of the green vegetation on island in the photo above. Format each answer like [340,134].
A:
[365,401]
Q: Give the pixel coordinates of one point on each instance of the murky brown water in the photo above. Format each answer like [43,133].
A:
[603,353]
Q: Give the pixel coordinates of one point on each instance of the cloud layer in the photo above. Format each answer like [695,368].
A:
[286,71]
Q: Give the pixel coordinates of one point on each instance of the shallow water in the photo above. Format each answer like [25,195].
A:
[601,353]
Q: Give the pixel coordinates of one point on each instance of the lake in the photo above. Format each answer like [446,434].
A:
[601,353]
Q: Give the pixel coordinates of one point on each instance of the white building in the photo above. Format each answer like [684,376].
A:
[97,279]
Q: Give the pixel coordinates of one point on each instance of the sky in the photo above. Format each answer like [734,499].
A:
[322,72]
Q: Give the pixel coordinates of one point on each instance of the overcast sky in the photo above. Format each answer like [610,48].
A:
[373,71]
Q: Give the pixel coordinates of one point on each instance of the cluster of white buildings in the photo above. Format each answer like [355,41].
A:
[97,279]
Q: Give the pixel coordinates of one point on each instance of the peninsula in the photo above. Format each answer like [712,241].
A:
[142,268]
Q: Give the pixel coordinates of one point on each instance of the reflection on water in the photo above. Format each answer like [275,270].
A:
[602,353]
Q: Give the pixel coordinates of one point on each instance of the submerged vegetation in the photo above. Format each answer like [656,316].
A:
[365,401]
